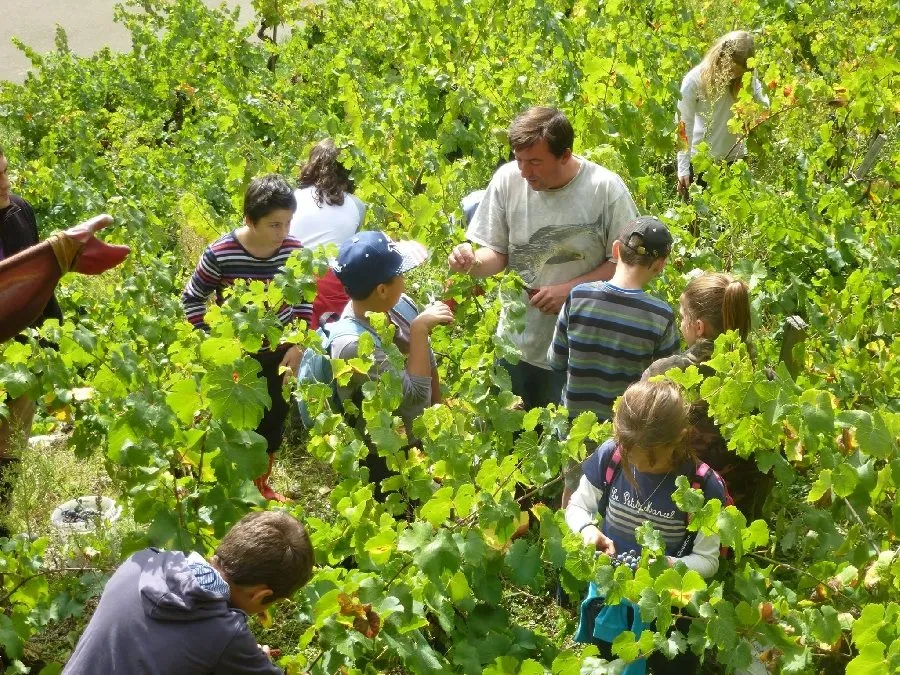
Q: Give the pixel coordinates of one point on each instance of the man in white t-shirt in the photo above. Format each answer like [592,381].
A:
[552,217]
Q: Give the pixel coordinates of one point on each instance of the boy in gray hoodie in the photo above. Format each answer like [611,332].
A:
[165,612]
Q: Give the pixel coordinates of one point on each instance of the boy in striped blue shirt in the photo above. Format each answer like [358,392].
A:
[609,332]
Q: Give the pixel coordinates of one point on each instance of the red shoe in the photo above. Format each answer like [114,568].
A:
[265,489]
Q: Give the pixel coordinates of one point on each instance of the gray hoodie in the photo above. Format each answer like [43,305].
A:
[155,619]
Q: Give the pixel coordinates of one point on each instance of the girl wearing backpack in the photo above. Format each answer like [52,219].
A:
[712,304]
[628,481]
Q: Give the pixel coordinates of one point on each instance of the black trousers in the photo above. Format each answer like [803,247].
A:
[537,387]
[698,178]
[271,427]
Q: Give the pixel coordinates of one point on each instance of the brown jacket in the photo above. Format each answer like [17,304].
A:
[748,486]
[18,231]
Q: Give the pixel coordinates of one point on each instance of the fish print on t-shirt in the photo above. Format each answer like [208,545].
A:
[555,245]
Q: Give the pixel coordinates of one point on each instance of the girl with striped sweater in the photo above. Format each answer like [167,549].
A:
[256,251]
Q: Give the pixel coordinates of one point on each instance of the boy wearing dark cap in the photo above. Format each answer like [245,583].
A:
[371,268]
[608,332]
[165,612]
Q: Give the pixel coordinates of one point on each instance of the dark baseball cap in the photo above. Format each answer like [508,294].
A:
[654,238]
[371,258]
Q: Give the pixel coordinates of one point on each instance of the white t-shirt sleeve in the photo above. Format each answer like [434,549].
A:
[360,207]
[620,210]
[687,112]
[759,93]
[582,508]
[489,226]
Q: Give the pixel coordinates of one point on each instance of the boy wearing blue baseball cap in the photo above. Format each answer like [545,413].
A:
[371,268]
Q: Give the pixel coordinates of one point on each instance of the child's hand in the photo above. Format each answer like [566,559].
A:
[683,186]
[291,362]
[594,537]
[268,651]
[434,314]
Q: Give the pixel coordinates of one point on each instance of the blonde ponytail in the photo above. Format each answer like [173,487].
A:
[721,301]
[736,308]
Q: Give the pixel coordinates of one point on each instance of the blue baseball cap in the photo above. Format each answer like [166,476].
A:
[371,258]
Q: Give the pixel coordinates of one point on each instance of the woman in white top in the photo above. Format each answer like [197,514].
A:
[327,211]
[708,92]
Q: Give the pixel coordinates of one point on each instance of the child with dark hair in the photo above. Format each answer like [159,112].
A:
[608,332]
[166,612]
[256,251]
[371,268]
[712,304]
[327,210]
[630,480]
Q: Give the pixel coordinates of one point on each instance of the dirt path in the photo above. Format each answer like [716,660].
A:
[88,23]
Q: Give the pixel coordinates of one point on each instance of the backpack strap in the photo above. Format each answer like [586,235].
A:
[343,327]
[702,474]
[614,463]
[406,308]
[606,474]
[348,325]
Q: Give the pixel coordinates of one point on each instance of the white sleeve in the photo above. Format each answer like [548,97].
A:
[361,209]
[704,558]
[489,226]
[687,112]
[759,93]
[619,212]
[582,508]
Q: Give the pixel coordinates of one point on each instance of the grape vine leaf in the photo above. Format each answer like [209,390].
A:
[524,562]
[237,394]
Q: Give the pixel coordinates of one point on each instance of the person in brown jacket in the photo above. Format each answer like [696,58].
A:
[712,304]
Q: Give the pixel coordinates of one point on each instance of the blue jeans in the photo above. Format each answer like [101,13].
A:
[537,387]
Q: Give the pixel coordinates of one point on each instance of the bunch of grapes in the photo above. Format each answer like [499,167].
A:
[629,559]
[79,514]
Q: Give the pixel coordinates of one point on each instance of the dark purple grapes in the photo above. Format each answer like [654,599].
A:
[79,514]
[628,558]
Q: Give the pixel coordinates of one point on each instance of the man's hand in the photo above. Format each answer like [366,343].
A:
[550,299]
[291,361]
[434,314]
[684,182]
[594,537]
[462,258]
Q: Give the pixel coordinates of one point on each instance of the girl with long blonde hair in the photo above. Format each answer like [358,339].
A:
[708,93]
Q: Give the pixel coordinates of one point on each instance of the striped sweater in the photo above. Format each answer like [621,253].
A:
[643,497]
[605,337]
[225,261]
